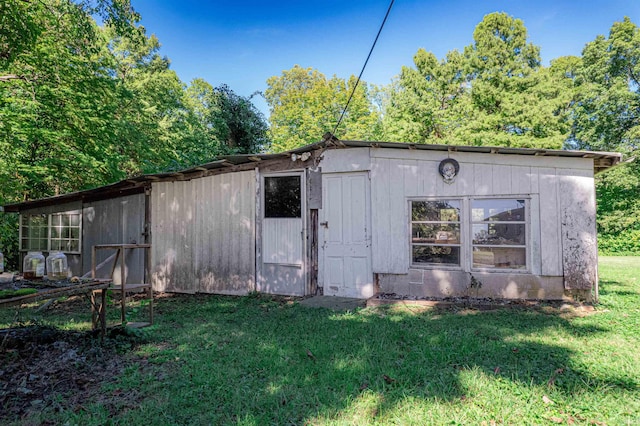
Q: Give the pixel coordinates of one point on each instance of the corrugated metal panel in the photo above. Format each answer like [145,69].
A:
[115,221]
[203,234]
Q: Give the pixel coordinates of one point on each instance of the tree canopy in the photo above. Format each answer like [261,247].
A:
[305,105]
[494,92]
[84,105]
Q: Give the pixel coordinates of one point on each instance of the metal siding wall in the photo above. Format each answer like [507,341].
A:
[114,221]
[203,234]
[394,180]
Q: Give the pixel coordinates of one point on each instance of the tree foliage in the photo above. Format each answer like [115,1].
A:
[304,105]
[218,121]
[493,93]
[607,117]
[83,105]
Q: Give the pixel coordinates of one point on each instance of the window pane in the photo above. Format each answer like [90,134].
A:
[499,233]
[36,220]
[499,257]
[75,233]
[74,220]
[36,244]
[74,245]
[282,197]
[436,233]
[436,254]
[498,210]
[436,211]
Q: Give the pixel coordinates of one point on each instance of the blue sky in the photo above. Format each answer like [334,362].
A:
[242,43]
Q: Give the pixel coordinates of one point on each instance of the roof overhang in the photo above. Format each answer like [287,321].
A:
[229,163]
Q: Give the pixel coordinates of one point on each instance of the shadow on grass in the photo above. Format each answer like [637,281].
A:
[260,360]
[615,288]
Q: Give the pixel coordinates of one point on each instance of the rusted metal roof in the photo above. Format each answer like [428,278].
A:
[601,161]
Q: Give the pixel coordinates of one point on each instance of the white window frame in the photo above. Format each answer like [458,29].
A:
[49,246]
[466,234]
[460,245]
[527,234]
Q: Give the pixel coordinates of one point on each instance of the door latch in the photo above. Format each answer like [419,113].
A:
[325,224]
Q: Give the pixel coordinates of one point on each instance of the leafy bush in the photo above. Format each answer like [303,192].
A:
[9,240]
[626,242]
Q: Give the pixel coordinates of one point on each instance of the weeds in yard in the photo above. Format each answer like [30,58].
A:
[245,360]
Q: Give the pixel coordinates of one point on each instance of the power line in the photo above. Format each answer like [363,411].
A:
[344,111]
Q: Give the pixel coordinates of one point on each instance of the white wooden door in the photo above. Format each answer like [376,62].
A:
[345,236]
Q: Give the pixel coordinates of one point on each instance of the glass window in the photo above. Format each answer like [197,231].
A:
[34,231]
[58,231]
[282,197]
[435,232]
[499,233]
[65,232]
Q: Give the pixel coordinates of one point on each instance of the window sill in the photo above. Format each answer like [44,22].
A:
[502,271]
[437,267]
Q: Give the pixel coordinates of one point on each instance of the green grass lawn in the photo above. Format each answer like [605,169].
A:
[259,360]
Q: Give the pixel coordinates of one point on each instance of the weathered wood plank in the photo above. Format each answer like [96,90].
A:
[346,160]
[534,235]
[483,179]
[380,238]
[398,220]
[550,242]
[501,180]
[520,180]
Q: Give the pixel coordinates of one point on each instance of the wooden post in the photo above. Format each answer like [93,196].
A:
[147,279]
[103,312]
[122,256]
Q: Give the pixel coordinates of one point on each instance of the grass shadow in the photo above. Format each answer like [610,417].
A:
[263,360]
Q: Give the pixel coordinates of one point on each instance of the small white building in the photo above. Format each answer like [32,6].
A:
[349,218]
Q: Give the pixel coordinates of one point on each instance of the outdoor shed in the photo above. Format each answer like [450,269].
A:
[348,218]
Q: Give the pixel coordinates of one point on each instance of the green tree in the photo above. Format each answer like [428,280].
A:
[218,121]
[83,105]
[146,107]
[304,105]
[51,111]
[516,101]
[240,126]
[607,111]
[53,83]
[429,102]
[495,93]
[607,117]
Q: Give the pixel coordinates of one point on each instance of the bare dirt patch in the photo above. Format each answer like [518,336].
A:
[46,370]
[466,305]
